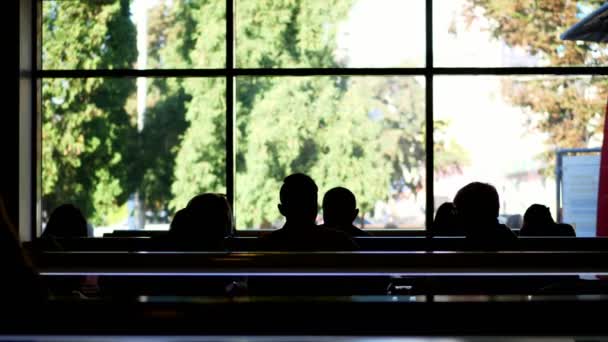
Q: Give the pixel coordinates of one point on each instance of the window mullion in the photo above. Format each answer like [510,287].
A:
[230,115]
[429,144]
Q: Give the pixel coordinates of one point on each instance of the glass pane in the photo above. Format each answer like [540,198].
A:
[127,158]
[363,133]
[492,33]
[141,34]
[506,131]
[324,34]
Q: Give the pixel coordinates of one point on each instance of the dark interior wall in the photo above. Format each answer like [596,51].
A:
[9,110]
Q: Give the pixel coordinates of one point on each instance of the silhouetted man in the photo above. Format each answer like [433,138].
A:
[340,210]
[299,205]
[477,207]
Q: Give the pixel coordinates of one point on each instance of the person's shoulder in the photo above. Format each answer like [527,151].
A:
[350,231]
[564,229]
[525,231]
[337,238]
[273,235]
[283,239]
[505,231]
[356,231]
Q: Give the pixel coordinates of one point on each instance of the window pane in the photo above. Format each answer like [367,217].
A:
[142,34]
[363,133]
[324,34]
[107,147]
[491,33]
[505,131]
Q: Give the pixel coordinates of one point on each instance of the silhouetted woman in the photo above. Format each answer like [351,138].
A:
[445,223]
[66,221]
[203,224]
[538,222]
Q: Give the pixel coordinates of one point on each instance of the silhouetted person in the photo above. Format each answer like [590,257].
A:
[180,225]
[204,223]
[538,222]
[340,210]
[477,206]
[445,223]
[20,287]
[299,205]
[66,221]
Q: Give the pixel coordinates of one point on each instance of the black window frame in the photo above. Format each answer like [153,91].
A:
[230,72]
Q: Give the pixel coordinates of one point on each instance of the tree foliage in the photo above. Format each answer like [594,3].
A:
[86,130]
[171,38]
[365,133]
[568,109]
[201,157]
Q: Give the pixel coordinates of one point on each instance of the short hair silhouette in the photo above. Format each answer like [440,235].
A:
[207,216]
[538,215]
[477,203]
[445,222]
[66,221]
[298,197]
[340,210]
[339,207]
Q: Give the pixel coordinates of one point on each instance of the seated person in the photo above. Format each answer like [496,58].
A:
[538,222]
[21,286]
[340,210]
[299,205]
[66,221]
[477,206]
[204,223]
[445,223]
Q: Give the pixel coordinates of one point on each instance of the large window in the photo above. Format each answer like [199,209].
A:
[146,103]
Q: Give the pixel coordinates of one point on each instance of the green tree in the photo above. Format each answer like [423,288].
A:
[171,39]
[323,126]
[288,125]
[568,109]
[86,130]
[201,158]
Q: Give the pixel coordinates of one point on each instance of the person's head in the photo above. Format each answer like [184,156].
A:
[181,223]
[66,221]
[445,219]
[477,204]
[207,215]
[537,215]
[298,197]
[339,207]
